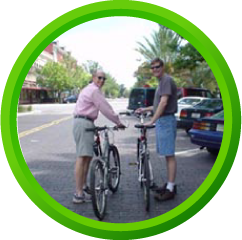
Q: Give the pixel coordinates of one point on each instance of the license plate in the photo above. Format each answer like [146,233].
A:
[196,115]
[220,127]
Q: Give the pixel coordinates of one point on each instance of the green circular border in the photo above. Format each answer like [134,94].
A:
[216,176]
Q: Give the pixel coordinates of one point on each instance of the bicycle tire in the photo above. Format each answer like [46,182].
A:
[97,188]
[140,160]
[114,171]
[138,149]
[146,185]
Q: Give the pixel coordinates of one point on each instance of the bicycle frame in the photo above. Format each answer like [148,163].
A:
[143,141]
[101,165]
[103,154]
[142,148]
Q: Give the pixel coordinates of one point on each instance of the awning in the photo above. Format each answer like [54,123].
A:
[36,88]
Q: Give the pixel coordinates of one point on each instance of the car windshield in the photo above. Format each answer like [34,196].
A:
[219,115]
[137,95]
[189,101]
[210,103]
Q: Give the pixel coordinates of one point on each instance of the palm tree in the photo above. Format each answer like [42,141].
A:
[163,44]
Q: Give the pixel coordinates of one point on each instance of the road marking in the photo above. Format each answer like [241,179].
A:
[188,151]
[33,130]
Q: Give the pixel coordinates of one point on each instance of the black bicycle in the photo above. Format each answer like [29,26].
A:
[105,170]
[145,172]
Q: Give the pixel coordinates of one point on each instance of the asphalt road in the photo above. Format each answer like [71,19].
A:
[49,150]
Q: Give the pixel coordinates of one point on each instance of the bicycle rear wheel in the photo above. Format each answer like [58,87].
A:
[138,149]
[146,182]
[140,156]
[98,191]
[113,168]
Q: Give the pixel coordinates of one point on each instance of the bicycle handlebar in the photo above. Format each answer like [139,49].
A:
[115,128]
[138,115]
[142,126]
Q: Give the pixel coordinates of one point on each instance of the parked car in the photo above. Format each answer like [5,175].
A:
[205,108]
[190,91]
[208,132]
[70,99]
[141,97]
[144,96]
[187,102]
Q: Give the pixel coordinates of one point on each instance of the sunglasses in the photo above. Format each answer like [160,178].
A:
[101,78]
[155,67]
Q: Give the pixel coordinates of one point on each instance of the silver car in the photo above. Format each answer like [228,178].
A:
[187,102]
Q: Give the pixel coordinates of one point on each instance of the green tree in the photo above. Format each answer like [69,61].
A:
[193,70]
[144,76]
[163,44]
[111,87]
[122,89]
[79,79]
[91,66]
[188,58]
[55,77]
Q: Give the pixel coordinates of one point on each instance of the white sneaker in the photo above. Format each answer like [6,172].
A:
[78,199]
[87,197]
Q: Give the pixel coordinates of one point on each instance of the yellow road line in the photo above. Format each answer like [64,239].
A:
[33,130]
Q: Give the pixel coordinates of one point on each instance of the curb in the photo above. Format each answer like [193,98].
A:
[27,113]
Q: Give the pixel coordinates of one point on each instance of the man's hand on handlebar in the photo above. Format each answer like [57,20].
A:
[121,126]
[139,110]
[149,123]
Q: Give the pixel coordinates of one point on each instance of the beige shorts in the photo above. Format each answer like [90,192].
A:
[84,140]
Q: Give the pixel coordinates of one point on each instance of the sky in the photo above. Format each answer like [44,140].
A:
[111,42]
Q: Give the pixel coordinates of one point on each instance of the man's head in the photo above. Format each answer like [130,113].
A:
[99,78]
[157,67]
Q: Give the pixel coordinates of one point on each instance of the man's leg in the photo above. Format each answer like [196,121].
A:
[168,191]
[86,168]
[82,164]
[171,172]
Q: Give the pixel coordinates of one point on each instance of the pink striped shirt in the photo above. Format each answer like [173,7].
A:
[91,101]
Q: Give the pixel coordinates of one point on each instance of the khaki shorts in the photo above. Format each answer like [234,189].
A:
[84,140]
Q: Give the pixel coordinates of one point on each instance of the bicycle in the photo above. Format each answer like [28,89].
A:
[145,172]
[105,170]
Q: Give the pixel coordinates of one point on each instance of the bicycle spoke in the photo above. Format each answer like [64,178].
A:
[98,189]
[113,169]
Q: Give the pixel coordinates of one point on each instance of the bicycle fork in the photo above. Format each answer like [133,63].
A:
[105,183]
[141,177]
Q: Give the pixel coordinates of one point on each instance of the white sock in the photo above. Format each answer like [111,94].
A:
[170,186]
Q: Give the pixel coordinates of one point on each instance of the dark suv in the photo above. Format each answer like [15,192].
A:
[144,96]
[141,97]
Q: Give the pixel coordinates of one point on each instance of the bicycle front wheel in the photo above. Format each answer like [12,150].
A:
[113,168]
[146,182]
[97,187]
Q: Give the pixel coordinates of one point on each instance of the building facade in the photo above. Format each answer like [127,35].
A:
[31,92]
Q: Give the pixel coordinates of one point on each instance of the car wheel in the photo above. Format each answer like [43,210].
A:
[187,130]
[213,151]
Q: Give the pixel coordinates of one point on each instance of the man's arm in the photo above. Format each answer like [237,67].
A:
[105,108]
[160,109]
[143,110]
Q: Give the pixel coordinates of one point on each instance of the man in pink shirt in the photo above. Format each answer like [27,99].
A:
[89,103]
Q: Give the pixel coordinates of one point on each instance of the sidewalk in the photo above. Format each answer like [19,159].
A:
[27,113]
